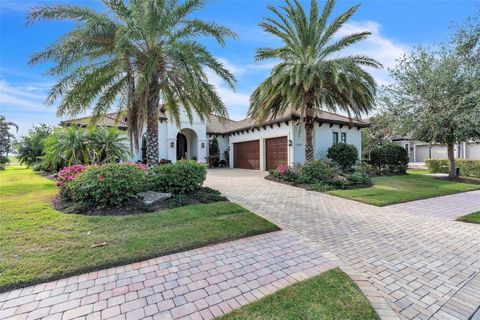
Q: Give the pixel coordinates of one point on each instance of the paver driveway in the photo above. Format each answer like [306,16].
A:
[425,267]
[448,207]
[193,285]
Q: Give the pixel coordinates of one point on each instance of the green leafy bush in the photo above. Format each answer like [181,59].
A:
[317,171]
[364,167]
[389,158]
[359,178]
[3,162]
[180,177]
[469,168]
[109,185]
[437,165]
[345,155]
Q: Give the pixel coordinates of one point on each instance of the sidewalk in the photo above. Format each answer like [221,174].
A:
[197,284]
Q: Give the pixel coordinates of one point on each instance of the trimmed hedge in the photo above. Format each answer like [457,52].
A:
[437,165]
[389,158]
[180,177]
[469,168]
[345,155]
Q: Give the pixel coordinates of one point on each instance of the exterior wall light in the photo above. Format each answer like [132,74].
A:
[289,143]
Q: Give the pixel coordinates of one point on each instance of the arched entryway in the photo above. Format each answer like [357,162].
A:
[187,144]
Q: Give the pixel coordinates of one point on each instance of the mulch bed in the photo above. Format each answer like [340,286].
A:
[203,195]
[470,180]
[308,187]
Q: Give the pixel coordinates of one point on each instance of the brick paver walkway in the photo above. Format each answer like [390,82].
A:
[448,207]
[196,284]
[425,267]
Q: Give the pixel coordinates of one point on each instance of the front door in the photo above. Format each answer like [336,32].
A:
[181,146]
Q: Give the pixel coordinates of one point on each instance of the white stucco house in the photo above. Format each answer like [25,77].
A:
[249,146]
[419,151]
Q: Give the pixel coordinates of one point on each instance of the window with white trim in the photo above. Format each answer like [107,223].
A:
[343,138]
[335,137]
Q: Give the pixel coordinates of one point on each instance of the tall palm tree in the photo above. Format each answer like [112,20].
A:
[135,56]
[311,75]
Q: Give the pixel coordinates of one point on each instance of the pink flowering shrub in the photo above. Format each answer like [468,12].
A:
[283,169]
[67,175]
[140,166]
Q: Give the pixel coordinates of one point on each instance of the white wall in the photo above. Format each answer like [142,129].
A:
[472,151]
[167,139]
[283,130]
[323,138]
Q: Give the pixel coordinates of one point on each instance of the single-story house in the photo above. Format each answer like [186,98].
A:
[249,146]
[419,151]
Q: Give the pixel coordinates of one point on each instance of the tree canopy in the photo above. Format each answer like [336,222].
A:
[135,56]
[435,96]
[312,74]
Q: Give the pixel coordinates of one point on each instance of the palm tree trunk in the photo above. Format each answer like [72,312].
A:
[152,125]
[451,161]
[309,122]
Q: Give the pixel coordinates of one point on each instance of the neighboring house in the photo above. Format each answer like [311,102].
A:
[419,151]
[261,147]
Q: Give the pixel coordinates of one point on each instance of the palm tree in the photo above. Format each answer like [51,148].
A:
[138,54]
[66,146]
[311,75]
[107,145]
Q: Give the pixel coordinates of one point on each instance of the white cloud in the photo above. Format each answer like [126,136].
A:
[24,97]
[376,46]
[24,105]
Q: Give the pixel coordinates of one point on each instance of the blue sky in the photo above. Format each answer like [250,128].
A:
[396,26]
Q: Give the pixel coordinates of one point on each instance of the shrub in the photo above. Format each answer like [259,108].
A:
[437,165]
[317,171]
[364,167]
[389,158]
[30,147]
[359,178]
[3,162]
[345,155]
[164,161]
[109,185]
[470,168]
[180,177]
[286,173]
[67,175]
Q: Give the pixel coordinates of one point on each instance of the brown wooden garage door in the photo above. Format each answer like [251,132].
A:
[247,155]
[276,150]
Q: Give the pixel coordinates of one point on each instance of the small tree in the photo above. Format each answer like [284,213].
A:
[380,131]
[5,140]
[213,153]
[30,147]
[436,96]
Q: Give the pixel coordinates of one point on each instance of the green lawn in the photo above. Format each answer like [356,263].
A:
[471,218]
[38,243]
[331,295]
[396,189]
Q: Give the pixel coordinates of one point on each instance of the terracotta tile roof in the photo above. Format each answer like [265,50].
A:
[216,124]
[106,121]
[220,125]
[321,116]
